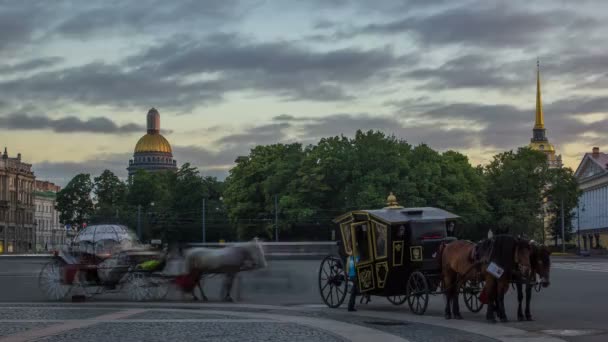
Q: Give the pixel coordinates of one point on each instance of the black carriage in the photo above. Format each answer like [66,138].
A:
[397,251]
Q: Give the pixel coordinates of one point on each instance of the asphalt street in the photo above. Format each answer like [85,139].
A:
[573,308]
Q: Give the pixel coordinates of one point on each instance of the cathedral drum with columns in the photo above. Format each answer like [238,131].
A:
[152,151]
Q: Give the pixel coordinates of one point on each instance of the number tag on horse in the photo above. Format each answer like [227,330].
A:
[495,270]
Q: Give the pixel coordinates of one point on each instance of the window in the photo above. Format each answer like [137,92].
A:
[380,240]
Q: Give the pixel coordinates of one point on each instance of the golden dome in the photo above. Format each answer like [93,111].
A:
[153,143]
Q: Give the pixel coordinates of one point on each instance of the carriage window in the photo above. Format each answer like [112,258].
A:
[347,241]
[380,236]
[362,241]
[428,230]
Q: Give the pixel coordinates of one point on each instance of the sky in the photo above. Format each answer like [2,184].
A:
[78,77]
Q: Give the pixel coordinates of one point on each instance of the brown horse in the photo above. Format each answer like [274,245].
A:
[463,260]
[540,259]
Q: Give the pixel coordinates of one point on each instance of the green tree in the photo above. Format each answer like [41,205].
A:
[74,201]
[110,194]
[516,183]
[562,188]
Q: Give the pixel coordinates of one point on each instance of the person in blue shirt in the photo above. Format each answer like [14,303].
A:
[352,276]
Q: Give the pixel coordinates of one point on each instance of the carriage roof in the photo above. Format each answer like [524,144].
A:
[396,214]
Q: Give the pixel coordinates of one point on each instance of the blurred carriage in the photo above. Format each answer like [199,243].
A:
[100,259]
[396,249]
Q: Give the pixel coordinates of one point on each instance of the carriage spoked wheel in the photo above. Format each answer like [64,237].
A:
[333,281]
[397,300]
[138,288]
[471,291]
[417,293]
[50,281]
[158,287]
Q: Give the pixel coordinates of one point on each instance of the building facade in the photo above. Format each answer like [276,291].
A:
[16,205]
[152,152]
[50,234]
[591,216]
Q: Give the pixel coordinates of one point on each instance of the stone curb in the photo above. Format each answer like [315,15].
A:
[495,331]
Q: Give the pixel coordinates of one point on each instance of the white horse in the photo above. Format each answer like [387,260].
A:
[229,260]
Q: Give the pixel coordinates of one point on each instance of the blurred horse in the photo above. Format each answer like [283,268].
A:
[461,261]
[229,261]
[540,260]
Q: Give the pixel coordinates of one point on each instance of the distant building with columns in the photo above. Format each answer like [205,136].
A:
[153,152]
[591,215]
[16,205]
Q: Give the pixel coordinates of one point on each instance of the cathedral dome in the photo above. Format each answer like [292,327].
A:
[153,143]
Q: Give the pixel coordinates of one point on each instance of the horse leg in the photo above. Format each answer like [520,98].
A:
[228,286]
[447,284]
[503,286]
[455,303]
[528,298]
[520,297]
[491,294]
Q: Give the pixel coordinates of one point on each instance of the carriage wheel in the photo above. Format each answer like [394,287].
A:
[159,288]
[417,293]
[397,300]
[471,291]
[50,281]
[138,288]
[333,282]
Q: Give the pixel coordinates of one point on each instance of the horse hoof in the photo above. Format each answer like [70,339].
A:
[491,320]
[205,299]
[529,318]
[448,316]
[352,309]
[504,320]
[228,299]
[457,316]
[520,318]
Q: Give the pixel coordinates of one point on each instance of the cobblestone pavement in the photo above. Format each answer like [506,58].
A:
[94,322]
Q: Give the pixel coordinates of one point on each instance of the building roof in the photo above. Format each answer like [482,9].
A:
[153,143]
[47,194]
[599,160]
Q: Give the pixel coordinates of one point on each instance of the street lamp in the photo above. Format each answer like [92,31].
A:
[578,225]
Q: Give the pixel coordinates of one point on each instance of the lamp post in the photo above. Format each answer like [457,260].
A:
[578,225]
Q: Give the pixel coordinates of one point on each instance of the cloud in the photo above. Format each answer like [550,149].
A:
[468,71]
[103,84]
[484,25]
[70,124]
[258,135]
[30,65]
[282,68]
[148,16]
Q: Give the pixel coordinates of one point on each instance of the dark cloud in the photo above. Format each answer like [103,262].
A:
[102,84]
[468,71]
[486,25]
[259,135]
[70,124]
[30,65]
[286,69]
[146,16]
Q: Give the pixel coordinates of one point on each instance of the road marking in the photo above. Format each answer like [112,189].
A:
[34,334]
[582,266]
[571,332]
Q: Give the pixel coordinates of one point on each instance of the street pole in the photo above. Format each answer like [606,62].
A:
[563,229]
[204,228]
[139,223]
[276,218]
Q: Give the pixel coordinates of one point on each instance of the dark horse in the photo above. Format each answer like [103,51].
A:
[463,260]
[540,260]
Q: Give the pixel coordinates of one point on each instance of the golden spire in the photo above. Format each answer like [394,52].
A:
[540,119]
[392,203]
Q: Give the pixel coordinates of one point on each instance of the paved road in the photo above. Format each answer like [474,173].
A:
[575,304]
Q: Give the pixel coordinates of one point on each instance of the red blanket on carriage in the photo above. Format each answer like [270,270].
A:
[186,282]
